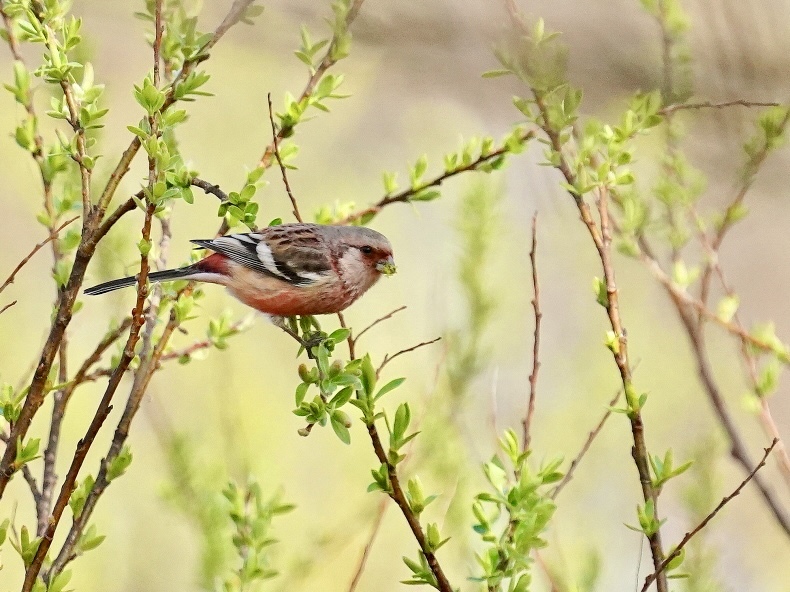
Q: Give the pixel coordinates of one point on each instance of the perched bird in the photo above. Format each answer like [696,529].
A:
[287,270]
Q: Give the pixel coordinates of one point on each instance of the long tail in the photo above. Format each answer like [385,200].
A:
[156,276]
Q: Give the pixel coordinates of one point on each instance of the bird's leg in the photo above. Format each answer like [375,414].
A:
[314,340]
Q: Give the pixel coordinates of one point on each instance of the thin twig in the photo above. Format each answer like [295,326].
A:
[399,497]
[585,447]
[689,535]
[29,256]
[388,358]
[533,377]
[711,105]
[374,531]
[377,321]
[276,142]
[7,306]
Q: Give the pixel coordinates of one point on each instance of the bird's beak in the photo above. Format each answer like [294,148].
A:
[386,266]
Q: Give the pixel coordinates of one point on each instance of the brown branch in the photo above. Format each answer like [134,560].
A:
[7,306]
[315,76]
[696,337]
[388,358]
[61,401]
[682,296]
[602,239]
[210,188]
[36,249]
[376,322]
[689,535]
[276,143]
[399,498]
[533,377]
[669,109]
[84,253]
[405,195]
[103,409]
[139,388]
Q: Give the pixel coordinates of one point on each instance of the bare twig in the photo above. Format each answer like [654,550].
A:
[276,142]
[689,535]
[388,358]
[377,321]
[533,377]
[669,109]
[363,559]
[585,447]
[29,256]
[7,306]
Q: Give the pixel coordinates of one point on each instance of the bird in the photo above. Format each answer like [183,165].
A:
[286,270]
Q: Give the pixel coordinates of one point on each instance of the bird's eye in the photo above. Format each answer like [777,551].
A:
[366,249]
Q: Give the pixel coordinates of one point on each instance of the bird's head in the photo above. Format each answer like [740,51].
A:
[365,255]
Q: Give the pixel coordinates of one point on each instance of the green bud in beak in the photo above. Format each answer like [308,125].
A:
[386,266]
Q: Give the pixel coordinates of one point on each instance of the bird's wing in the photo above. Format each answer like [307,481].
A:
[297,259]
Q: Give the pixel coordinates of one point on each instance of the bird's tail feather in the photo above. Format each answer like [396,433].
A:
[156,276]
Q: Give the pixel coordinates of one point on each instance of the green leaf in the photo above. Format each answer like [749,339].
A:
[391,385]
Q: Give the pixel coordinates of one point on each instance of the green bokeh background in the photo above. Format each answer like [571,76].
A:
[414,77]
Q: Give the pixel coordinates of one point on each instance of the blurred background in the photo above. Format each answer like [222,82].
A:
[415,86]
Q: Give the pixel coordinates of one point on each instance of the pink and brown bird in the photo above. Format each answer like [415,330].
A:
[287,270]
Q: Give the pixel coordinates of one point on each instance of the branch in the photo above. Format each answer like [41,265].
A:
[84,254]
[276,143]
[405,195]
[669,109]
[533,378]
[399,498]
[652,577]
[388,358]
[585,447]
[682,296]
[210,188]
[602,239]
[315,76]
[139,388]
[374,531]
[61,401]
[102,411]
[36,249]
[7,306]
[376,322]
